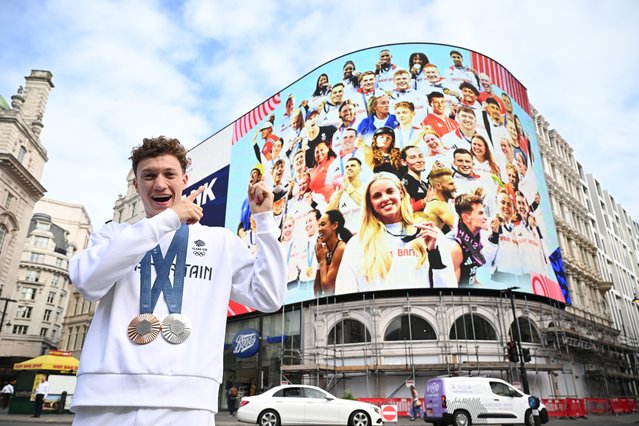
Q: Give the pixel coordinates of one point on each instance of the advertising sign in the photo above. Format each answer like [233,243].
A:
[425,155]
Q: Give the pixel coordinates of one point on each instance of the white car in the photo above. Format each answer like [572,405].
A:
[302,405]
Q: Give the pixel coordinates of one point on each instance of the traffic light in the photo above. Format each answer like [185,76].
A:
[526,354]
[512,352]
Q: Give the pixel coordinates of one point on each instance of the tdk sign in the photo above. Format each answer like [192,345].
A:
[246,343]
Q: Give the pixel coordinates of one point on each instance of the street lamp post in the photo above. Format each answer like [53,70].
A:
[4,310]
[522,363]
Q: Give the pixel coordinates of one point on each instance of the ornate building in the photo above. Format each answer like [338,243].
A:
[22,160]
[57,231]
[590,329]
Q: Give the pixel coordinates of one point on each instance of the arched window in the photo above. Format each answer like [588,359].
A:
[529,332]
[409,327]
[348,331]
[472,327]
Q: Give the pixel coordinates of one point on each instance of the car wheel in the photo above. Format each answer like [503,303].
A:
[529,418]
[359,418]
[461,418]
[269,418]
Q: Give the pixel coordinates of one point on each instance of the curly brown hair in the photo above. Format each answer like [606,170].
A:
[394,157]
[155,147]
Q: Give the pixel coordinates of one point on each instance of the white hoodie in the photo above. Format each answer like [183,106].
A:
[113,370]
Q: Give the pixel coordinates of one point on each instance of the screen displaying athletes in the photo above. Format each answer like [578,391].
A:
[401,166]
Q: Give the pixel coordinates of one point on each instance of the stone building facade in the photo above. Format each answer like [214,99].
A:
[22,160]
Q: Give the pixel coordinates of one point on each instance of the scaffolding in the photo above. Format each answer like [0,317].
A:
[317,362]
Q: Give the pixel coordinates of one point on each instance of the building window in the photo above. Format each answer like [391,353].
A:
[43,226]
[472,327]
[20,329]
[51,297]
[28,293]
[24,312]
[529,332]
[22,153]
[33,275]
[40,242]
[54,280]
[348,331]
[36,258]
[8,200]
[409,327]
[47,315]
[43,332]
[3,234]
[58,262]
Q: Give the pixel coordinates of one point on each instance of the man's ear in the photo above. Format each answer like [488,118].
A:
[135,185]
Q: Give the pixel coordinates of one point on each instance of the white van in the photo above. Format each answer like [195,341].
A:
[462,401]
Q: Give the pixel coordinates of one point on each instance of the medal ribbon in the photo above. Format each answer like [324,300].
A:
[172,293]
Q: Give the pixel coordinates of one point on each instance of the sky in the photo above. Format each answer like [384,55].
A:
[127,70]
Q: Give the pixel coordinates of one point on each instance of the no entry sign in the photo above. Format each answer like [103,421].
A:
[389,413]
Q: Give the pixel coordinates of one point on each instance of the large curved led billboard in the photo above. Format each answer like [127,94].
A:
[400,166]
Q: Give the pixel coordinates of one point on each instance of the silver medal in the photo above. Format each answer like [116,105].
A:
[176,328]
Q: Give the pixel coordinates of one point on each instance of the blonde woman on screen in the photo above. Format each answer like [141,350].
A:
[391,251]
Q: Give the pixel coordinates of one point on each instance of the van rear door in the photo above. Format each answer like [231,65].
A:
[435,399]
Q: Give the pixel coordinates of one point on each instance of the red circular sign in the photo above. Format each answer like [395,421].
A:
[389,413]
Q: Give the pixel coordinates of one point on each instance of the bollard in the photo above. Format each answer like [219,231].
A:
[533,402]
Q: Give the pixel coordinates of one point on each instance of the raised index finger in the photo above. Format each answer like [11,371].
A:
[191,197]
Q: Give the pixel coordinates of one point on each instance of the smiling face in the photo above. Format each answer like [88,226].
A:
[347,113]
[348,141]
[467,121]
[368,83]
[439,105]
[522,206]
[414,160]
[478,147]
[287,228]
[385,57]
[337,93]
[432,141]
[464,163]
[385,200]
[469,96]
[311,224]
[352,168]
[348,71]
[402,80]
[432,74]
[326,228]
[485,83]
[321,153]
[506,208]
[159,181]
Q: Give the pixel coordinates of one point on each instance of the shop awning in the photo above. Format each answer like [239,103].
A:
[49,362]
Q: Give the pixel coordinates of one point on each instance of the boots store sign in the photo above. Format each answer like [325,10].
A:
[246,343]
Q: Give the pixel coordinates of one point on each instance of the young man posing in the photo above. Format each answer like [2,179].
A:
[149,360]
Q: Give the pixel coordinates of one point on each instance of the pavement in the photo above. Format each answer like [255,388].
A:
[224,419]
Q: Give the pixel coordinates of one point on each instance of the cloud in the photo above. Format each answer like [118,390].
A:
[126,70]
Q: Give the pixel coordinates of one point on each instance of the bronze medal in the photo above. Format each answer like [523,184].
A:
[176,328]
[144,328]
